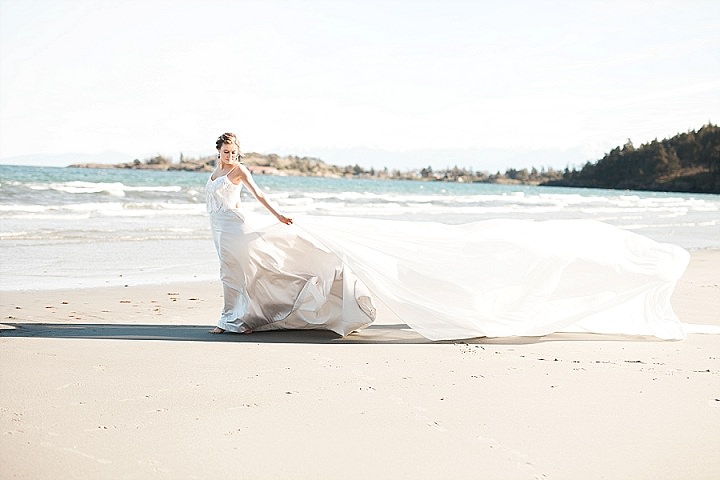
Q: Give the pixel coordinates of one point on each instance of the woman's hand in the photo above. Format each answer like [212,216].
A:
[285,220]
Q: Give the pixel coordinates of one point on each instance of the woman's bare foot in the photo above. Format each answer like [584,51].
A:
[219,330]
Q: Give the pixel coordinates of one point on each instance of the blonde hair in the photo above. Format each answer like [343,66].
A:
[229,138]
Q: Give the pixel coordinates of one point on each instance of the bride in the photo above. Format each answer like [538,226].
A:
[490,278]
[275,279]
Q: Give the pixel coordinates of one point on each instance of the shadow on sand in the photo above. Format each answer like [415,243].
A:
[374,334]
[199,333]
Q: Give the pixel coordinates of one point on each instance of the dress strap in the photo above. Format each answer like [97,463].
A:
[224,175]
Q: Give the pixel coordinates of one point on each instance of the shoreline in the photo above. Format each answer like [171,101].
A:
[125,382]
[700,275]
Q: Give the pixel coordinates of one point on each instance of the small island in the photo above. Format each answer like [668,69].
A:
[688,162]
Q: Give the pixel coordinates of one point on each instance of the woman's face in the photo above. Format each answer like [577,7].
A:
[228,153]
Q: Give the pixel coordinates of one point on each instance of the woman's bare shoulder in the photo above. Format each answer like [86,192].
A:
[239,174]
[243,168]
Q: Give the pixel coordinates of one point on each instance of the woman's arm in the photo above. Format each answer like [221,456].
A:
[242,174]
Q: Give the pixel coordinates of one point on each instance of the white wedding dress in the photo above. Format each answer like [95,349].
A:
[276,278]
[499,278]
[491,278]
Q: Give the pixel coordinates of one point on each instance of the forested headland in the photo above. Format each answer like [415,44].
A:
[688,162]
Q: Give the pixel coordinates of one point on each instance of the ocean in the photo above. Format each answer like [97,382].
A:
[75,228]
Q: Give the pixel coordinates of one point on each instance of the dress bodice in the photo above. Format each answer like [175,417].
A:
[222,195]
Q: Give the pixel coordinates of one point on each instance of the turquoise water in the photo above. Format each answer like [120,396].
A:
[61,225]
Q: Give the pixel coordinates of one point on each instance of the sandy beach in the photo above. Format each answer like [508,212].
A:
[126,383]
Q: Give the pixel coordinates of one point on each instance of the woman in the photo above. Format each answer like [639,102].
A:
[492,278]
[274,279]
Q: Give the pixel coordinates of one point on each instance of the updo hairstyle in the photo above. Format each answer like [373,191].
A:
[229,138]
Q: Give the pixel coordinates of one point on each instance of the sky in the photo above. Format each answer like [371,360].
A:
[401,84]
